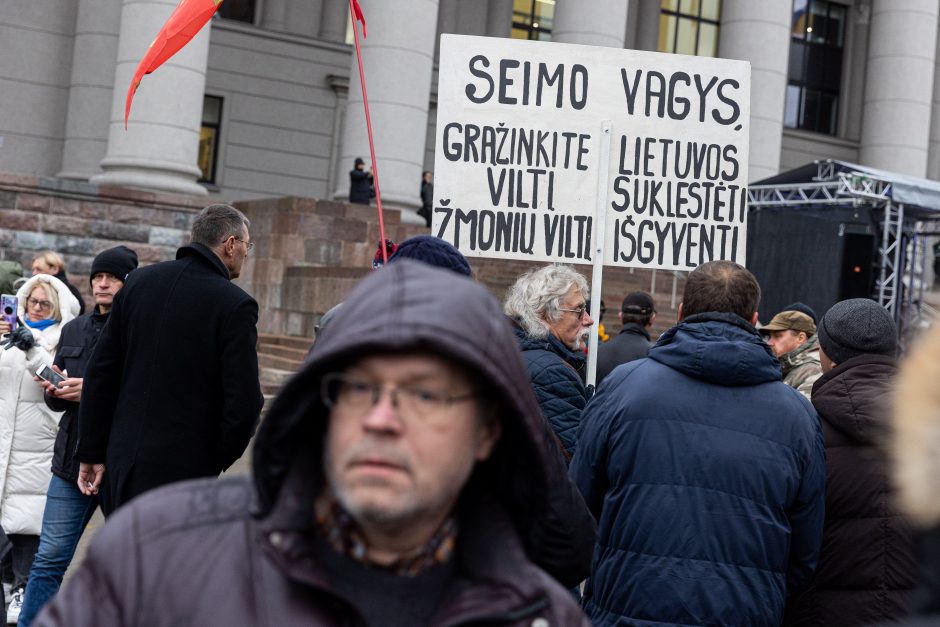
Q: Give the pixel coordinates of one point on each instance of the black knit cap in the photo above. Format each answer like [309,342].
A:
[802,308]
[857,326]
[433,251]
[118,261]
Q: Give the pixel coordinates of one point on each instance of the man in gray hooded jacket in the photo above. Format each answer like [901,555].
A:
[402,477]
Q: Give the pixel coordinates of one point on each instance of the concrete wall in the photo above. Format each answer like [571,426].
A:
[35,69]
[801,147]
[279,111]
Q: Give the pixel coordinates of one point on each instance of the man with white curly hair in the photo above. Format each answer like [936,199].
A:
[549,308]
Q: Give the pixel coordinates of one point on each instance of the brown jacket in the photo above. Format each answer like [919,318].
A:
[231,553]
[866,569]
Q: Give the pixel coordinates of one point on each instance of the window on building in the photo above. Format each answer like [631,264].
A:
[817,37]
[532,19]
[238,10]
[689,27]
[209,138]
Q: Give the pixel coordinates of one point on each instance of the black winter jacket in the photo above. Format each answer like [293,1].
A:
[360,187]
[866,567]
[229,553]
[554,371]
[172,389]
[76,343]
[633,342]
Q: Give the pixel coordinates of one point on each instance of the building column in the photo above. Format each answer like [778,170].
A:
[159,148]
[334,17]
[933,155]
[274,15]
[499,18]
[92,82]
[759,32]
[646,31]
[594,23]
[899,86]
[398,57]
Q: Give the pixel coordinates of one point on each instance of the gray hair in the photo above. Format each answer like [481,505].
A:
[537,295]
[216,223]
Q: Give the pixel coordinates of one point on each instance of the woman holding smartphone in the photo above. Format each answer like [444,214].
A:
[27,426]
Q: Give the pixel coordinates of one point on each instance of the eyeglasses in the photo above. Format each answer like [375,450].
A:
[248,245]
[42,305]
[350,392]
[580,310]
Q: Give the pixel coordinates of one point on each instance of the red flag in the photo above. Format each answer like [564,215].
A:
[357,11]
[187,19]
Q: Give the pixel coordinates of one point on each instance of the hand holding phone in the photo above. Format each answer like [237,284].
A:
[8,305]
[47,374]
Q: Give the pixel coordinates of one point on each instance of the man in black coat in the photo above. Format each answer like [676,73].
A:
[67,510]
[867,570]
[401,478]
[360,184]
[637,314]
[172,389]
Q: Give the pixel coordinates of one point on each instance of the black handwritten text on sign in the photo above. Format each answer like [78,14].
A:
[518,153]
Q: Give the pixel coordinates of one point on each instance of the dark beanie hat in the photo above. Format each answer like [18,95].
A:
[856,327]
[433,251]
[118,261]
[802,308]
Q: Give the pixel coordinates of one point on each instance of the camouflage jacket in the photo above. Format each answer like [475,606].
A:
[801,367]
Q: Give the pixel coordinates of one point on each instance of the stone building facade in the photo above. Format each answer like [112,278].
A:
[265,103]
[272,87]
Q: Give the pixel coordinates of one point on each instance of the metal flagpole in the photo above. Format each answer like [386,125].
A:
[599,235]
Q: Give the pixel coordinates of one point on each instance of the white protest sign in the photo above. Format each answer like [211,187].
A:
[519,136]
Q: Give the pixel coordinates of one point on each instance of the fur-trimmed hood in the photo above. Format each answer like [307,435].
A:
[916,442]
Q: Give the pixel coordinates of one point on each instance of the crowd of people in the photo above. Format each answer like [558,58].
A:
[440,458]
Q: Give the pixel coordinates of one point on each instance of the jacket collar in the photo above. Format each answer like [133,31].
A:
[494,574]
[859,360]
[205,253]
[635,329]
[548,343]
[805,354]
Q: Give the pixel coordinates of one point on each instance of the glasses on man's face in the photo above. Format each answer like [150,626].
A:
[248,245]
[579,310]
[359,394]
[41,305]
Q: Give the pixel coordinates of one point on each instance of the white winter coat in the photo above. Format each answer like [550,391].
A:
[27,427]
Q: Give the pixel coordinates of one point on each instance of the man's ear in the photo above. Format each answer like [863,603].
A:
[754,319]
[679,315]
[620,316]
[487,437]
[652,319]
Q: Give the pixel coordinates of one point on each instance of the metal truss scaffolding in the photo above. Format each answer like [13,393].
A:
[903,248]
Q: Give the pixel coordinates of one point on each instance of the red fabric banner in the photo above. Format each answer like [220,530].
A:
[185,22]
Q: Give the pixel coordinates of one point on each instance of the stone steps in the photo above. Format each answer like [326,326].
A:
[279,357]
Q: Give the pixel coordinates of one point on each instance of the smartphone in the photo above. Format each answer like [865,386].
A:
[46,373]
[8,310]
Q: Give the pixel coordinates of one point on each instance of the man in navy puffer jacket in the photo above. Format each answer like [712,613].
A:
[705,472]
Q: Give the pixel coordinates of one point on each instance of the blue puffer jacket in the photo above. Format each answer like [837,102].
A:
[554,372]
[706,475]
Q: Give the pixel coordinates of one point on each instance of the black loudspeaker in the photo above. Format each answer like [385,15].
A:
[815,255]
[858,266]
